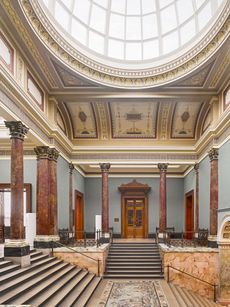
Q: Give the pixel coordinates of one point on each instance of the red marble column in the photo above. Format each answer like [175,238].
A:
[213,155]
[43,213]
[196,168]
[71,168]
[163,201]
[17,133]
[53,211]
[105,196]
[1,218]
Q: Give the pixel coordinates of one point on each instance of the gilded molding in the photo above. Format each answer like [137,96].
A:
[7,4]
[125,78]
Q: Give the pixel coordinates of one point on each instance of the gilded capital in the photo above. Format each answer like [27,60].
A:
[71,168]
[196,167]
[213,154]
[163,167]
[105,167]
[17,129]
[53,154]
[42,152]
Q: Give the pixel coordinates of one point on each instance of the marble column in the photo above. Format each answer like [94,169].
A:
[105,196]
[213,155]
[46,196]
[71,168]
[196,168]
[163,197]
[1,218]
[17,248]
[53,156]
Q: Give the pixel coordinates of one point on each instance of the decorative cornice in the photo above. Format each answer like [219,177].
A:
[7,4]
[17,129]
[213,154]
[105,167]
[120,77]
[163,167]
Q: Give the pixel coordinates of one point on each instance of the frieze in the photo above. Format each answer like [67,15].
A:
[118,77]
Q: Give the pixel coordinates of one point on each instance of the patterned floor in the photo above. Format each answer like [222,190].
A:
[144,293]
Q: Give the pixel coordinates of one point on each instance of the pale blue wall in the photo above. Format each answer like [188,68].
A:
[93,201]
[224,176]
[30,173]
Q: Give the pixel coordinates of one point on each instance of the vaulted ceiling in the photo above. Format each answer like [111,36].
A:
[170,120]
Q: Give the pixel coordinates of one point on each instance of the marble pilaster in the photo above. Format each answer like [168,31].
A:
[105,196]
[163,203]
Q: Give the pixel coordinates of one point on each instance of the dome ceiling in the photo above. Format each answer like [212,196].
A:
[132,30]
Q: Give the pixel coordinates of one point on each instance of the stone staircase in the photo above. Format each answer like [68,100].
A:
[133,260]
[188,298]
[47,282]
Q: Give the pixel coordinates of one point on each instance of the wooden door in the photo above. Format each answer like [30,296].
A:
[135,218]
[79,215]
[189,214]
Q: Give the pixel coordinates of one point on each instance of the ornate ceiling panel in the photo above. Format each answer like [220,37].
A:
[185,119]
[133,119]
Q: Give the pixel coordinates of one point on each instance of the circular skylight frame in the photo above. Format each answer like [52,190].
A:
[171,33]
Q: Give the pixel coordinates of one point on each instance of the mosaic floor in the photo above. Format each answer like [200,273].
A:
[145,293]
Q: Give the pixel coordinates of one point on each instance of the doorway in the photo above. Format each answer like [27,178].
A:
[135,218]
[79,215]
[189,215]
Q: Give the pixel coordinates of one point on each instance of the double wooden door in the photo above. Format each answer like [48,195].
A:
[135,218]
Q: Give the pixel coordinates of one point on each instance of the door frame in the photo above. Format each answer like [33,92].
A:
[187,195]
[78,211]
[134,190]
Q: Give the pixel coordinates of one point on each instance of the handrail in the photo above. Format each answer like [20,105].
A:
[197,278]
[73,250]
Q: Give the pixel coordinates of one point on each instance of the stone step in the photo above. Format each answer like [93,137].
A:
[48,288]
[24,285]
[128,268]
[85,297]
[4,263]
[125,275]
[38,258]
[132,265]
[7,277]
[134,271]
[9,268]
[177,296]
[35,254]
[27,276]
[71,291]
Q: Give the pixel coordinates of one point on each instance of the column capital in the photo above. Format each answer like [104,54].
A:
[213,154]
[196,168]
[42,152]
[53,154]
[163,167]
[17,129]
[105,167]
[71,168]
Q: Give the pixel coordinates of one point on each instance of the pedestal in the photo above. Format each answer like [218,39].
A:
[46,243]
[212,241]
[17,251]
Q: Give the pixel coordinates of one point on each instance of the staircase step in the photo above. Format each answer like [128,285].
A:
[49,287]
[177,296]
[5,263]
[35,254]
[38,258]
[26,276]
[9,268]
[19,272]
[144,276]
[26,284]
[84,298]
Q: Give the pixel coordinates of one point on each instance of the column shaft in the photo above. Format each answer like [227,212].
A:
[71,168]
[105,196]
[163,195]
[213,154]
[196,167]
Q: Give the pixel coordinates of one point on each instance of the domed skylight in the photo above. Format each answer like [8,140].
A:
[132,30]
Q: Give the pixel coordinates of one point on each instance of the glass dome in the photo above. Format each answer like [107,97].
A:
[132,30]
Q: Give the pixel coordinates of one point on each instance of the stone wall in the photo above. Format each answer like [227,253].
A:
[80,259]
[199,262]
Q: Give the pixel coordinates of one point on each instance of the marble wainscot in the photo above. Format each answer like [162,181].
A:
[201,262]
[98,253]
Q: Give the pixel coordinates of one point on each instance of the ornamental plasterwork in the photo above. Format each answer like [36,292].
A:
[219,72]
[20,71]
[120,77]
[163,119]
[7,4]
[102,115]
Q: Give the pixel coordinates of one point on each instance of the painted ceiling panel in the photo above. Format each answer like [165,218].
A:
[134,119]
[83,119]
[185,119]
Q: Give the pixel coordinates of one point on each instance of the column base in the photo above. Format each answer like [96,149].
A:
[46,242]
[212,241]
[105,237]
[17,251]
